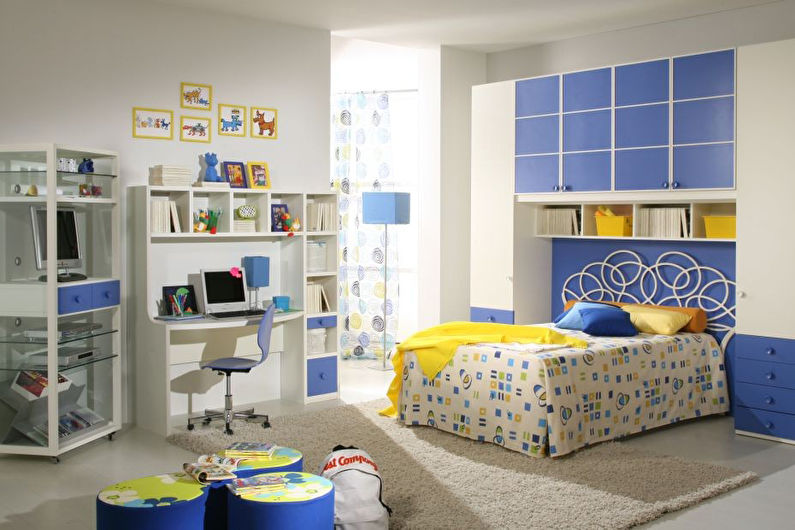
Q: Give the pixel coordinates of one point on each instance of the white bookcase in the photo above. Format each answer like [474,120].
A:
[170,382]
[34,305]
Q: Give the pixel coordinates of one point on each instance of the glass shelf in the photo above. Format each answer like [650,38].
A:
[19,338]
[60,173]
[25,364]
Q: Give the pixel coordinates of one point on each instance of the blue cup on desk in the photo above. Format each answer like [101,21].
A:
[282,303]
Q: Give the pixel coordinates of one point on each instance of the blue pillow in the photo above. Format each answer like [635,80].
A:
[572,319]
[607,323]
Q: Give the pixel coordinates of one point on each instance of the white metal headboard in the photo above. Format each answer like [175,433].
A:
[690,285]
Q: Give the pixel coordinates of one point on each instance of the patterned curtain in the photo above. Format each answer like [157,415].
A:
[362,161]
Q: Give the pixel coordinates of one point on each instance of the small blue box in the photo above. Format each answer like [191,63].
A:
[258,270]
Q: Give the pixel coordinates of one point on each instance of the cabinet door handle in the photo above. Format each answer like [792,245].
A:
[768,425]
[566,188]
[555,188]
[770,376]
[675,185]
[665,185]
[769,400]
[770,351]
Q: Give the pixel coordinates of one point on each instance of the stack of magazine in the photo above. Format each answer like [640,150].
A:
[667,222]
[257,484]
[212,468]
[70,423]
[250,450]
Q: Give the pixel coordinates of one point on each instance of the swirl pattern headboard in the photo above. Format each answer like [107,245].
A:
[673,277]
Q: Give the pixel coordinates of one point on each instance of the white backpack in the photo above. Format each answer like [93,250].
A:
[357,490]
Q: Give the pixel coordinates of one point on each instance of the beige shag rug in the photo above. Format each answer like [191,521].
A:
[433,479]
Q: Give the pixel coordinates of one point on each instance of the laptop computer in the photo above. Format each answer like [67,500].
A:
[225,295]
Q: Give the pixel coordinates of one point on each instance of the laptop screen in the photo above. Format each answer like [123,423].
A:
[223,288]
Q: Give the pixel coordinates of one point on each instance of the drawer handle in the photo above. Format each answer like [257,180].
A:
[322,376]
[769,400]
[770,351]
[107,295]
[320,322]
[770,376]
[769,425]
[491,319]
[78,299]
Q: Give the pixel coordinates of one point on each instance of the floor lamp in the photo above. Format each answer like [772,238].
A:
[385,208]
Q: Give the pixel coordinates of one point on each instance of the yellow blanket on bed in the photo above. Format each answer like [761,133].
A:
[435,347]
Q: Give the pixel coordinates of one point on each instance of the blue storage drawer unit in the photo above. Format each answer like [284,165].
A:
[321,322]
[763,386]
[535,97]
[75,298]
[105,294]
[321,376]
[485,314]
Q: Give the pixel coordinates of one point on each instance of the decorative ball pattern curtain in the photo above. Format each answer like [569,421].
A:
[362,161]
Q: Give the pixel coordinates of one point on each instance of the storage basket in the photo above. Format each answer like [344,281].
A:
[614,225]
[316,256]
[720,226]
[316,341]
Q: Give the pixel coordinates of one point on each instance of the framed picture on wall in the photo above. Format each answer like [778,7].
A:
[231,120]
[194,129]
[153,123]
[258,176]
[265,123]
[277,210]
[195,96]
[235,174]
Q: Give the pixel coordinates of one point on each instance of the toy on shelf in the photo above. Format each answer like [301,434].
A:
[86,166]
[290,224]
[206,220]
[211,177]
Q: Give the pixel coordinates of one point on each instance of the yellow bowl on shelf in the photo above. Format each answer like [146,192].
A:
[720,226]
[614,225]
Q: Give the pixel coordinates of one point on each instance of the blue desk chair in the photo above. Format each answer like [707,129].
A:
[227,366]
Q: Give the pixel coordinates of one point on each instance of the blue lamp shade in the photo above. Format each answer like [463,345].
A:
[385,208]
[258,270]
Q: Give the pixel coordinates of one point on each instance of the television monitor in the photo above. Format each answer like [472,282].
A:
[70,253]
[224,291]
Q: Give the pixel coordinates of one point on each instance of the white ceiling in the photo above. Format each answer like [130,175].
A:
[482,25]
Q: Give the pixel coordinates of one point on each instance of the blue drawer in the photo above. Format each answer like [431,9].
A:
[765,348]
[484,314]
[105,294]
[764,397]
[765,422]
[75,298]
[764,373]
[321,376]
[321,322]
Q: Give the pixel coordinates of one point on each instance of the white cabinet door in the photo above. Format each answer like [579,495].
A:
[766,189]
[491,280]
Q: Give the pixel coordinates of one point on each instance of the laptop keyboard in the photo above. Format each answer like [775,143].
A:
[236,314]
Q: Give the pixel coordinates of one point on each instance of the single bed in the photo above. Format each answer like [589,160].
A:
[552,400]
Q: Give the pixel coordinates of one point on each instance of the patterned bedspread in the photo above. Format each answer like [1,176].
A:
[548,399]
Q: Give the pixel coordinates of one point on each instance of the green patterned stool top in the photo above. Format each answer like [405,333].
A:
[149,492]
[282,456]
[297,487]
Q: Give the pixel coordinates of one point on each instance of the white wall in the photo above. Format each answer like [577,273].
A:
[764,23]
[360,65]
[460,70]
[72,71]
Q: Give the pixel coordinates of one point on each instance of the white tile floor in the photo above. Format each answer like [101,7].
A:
[35,494]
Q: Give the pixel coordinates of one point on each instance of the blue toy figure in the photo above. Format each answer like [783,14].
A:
[211,174]
[86,166]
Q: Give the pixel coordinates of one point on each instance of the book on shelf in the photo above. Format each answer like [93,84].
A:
[170,175]
[212,468]
[250,450]
[664,222]
[560,222]
[316,299]
[34,384]
[320,217]
[211,185]
[257,484]
[164,216]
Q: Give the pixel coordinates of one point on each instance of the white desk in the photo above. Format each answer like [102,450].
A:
[170,381]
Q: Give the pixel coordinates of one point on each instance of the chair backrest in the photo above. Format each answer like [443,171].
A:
[264,332]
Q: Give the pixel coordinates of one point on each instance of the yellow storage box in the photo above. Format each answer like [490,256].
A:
[721,226]
[614,225]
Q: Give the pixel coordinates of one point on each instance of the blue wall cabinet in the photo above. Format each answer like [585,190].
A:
[644,126]
[642,169]
[537,135]
[535,97]
[642,83]
[586,131]
[704,75]
[587,90]
[704,166]
[704,120]
[588,171]
[537,174]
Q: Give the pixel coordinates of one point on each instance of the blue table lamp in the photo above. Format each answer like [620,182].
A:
[258,274]
[385,208]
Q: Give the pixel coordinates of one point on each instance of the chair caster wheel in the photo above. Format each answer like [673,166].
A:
[190,426]
[110,437]
[55,460]
[230,432]
[206,421]
[266,425]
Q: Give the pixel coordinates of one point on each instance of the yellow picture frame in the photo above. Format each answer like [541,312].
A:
[230,127]
[191,94]
[145,119]
[254,176]
[195,134]
[259,126]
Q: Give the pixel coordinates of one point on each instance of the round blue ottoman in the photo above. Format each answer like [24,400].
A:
[305,501]
[161,502]
[283,459]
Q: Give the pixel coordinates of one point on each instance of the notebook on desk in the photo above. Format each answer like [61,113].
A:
[226,295]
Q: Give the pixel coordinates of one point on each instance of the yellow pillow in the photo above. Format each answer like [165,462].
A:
[658,321]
